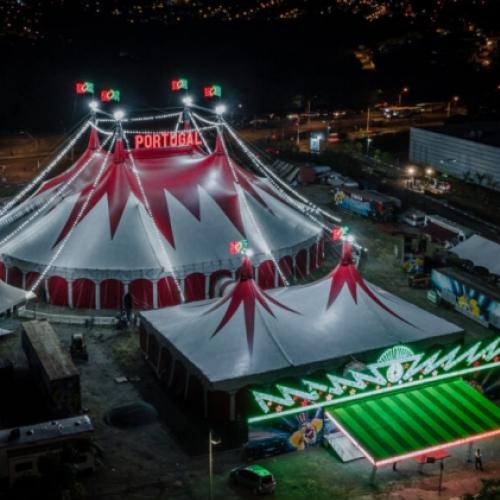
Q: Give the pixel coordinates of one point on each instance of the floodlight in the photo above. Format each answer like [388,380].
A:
[118,115]
[220,109]
[187,101]
[94,106]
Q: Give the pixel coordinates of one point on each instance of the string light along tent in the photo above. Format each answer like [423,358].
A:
[214,350]
[155,220]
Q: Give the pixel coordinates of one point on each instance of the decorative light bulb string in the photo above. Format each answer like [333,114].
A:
[199,130]
[242,197]
[46,171]
[84,206]
[53,198]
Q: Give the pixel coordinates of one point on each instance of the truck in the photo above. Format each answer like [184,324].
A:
[52,368]
[367,202]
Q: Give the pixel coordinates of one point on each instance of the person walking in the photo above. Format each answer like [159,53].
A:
[127,305]
[479,459]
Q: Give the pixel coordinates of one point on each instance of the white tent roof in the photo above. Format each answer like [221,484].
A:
[235,340]
[11,296]
[197,206]
[481,252]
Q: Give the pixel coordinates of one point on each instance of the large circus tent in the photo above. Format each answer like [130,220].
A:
[155,222]
[212,352]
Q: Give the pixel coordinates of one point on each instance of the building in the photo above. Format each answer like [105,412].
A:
[468,151]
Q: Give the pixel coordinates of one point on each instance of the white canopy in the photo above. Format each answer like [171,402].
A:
[252,336]
[481,252]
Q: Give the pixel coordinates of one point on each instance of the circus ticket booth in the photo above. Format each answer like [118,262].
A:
[406,405]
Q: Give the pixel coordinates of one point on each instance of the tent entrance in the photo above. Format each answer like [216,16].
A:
[413,422]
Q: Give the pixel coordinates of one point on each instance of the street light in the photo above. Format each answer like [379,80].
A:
[429,171]
[213,440]
[411,173]
[369,140]
[404,90]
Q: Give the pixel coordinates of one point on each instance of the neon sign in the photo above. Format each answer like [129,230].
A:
[108,95]
[238,247]
[167,139]
[398,367]
[180,84]
[212,91]
[339,232]
[84,88]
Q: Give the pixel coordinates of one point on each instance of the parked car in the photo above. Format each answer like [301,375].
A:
[253,477]
[414,218]
[267,447]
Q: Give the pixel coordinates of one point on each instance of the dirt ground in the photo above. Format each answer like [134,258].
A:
[167,459]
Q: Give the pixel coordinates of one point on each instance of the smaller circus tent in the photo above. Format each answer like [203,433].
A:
[251,336]
[10,296]
[153,217]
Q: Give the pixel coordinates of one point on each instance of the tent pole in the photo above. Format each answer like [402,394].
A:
[372,475]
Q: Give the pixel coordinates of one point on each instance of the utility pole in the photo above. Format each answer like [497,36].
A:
[368,121]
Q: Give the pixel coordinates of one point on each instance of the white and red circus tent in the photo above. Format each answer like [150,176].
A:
[255,337]
[155,222]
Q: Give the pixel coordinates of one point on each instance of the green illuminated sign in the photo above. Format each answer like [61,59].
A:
[396,368]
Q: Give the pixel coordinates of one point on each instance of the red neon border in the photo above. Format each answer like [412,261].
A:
[412,454]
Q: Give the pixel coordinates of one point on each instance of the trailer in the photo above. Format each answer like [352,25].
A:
[52,368]
[23,450]
[468,294]
[367,203]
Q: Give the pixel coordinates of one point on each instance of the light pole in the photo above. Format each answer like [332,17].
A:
[368,142]
[404,90]
[212,441]
[411,173]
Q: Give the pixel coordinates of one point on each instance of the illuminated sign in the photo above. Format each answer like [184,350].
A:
[339,232]
[84,88]
[398,367]
[108,95]
[238,247]
[167,139]
[180,84]
[212,91]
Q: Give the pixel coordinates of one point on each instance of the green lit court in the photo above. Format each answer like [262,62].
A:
[410,422]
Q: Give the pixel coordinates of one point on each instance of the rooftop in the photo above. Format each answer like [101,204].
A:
[484,132]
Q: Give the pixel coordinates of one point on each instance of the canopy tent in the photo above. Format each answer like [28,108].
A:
[251,336]
[416,421]
[198,204]
[481,252]
[10,296]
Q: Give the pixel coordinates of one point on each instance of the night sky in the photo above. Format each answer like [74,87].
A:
[267,64]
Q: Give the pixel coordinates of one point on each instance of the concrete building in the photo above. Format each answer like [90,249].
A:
[469,151]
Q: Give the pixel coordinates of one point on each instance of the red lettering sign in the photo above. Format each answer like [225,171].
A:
[167,139]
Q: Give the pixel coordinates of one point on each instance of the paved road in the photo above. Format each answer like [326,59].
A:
[432,205]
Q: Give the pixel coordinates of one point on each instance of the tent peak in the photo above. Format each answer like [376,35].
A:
[93,140]
[246,269]
[346,259]
[119,152]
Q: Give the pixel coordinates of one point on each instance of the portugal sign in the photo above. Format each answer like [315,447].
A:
[167,140]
